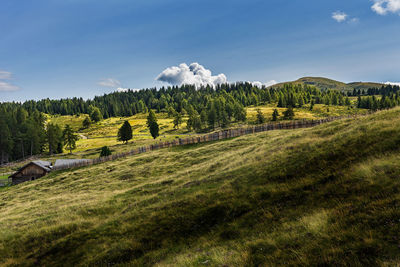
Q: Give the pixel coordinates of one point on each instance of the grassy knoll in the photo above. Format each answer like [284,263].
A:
[325,84]
[110,126]
[74,121]
[327,195]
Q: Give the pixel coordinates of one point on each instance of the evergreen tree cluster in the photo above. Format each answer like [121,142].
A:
[373,103]
[298,95]
[385,90]
[25,133]
[21,133]
[232,96]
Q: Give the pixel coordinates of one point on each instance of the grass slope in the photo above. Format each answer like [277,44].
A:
[99,133]
[327,195]
[90,148]
[365,85]
[321,83]
[325,83]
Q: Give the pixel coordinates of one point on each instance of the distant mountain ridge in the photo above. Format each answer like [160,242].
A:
[325,84]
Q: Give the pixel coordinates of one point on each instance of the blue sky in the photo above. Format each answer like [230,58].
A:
[67,48]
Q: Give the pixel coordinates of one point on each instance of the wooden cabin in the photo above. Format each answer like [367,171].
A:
[31,171]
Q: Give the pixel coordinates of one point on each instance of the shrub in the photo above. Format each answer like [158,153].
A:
[105,151]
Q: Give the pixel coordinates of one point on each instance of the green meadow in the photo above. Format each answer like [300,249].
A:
[320,196]
[103,133]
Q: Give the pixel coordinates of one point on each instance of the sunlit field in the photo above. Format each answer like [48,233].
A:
[104,132]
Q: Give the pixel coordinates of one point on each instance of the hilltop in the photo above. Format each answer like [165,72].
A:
[325,195]
[325,84]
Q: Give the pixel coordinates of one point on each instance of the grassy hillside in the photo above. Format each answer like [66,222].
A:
[104,132]
[364,85]
[91,147]
[325,195]
[325,83]
[322,83]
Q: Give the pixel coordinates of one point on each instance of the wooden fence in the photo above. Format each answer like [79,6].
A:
[230,133]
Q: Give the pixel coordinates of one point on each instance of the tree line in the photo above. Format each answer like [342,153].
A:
[121,104]
[24,133]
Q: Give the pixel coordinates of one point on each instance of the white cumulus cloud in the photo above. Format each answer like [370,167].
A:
[383,7]
[194,74]
[339,16]
[393,83]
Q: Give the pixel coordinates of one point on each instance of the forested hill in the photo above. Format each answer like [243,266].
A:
[133,102]
[23,130]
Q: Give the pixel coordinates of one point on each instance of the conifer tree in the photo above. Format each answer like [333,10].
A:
[95,114]
[171,112]
[125,132]
[212,116]
[275,115]
[86,122]
[312,105]
[6,141]
[203,118]
[288,114]
[347,101]
[359,100]
[54,138]
[177,119]
[239,112]
[152,124]
[260,117]
[70,138]
[194,122]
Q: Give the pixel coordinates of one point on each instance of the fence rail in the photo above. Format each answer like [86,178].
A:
[225,134]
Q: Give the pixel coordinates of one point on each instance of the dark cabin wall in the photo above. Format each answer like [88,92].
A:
[29,173]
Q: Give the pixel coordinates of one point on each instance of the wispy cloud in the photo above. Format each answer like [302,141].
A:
[194,74]
[112,83]
[5,75]
[354,20]
[383,7]
[5,85]
[339,16]
[109,82]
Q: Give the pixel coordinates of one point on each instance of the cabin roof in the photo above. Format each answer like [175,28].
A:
[44,164]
